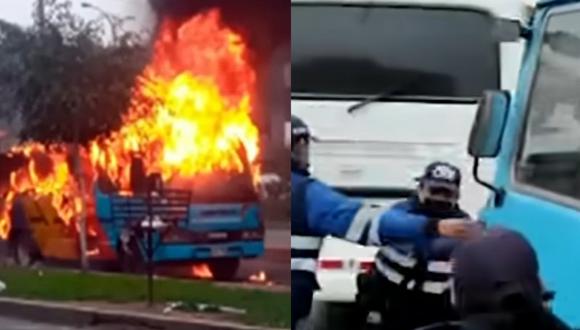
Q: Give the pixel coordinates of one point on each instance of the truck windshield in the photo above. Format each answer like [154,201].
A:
[353,51]
[550,153]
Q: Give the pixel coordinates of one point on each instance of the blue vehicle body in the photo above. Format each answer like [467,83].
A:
[549,220]
[202,232]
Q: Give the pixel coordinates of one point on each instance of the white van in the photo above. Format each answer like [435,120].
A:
[387,87]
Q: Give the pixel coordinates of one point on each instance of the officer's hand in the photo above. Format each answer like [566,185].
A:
[458,228]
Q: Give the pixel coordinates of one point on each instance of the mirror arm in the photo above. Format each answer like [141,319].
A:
[526,32]
[499,193]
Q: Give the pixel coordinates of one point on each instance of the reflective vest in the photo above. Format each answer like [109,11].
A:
[413,273]
[305,246]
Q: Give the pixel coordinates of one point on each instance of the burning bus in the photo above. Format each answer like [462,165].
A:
[184,165]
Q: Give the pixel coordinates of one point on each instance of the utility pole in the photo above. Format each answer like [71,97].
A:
[82,217]
[41,16]
[113,21]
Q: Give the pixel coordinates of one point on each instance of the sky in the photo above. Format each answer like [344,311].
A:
[19,11]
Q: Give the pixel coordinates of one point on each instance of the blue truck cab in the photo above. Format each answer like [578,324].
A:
[534,135]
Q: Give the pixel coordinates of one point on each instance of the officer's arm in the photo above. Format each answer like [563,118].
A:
[400,223]
[331,213]
[440,248]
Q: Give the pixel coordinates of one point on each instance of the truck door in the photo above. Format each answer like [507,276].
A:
[541,171]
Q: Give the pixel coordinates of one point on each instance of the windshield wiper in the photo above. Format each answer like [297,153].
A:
[374,98]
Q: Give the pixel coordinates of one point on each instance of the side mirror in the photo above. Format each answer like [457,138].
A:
[487,129]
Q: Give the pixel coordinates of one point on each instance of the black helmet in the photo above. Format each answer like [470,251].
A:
[299,156]
[299,130]
[439,187]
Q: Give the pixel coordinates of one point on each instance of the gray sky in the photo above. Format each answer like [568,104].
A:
[19,11]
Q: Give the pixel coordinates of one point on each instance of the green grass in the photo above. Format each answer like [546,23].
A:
[263,308]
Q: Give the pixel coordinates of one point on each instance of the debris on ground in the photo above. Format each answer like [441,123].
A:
[201,307]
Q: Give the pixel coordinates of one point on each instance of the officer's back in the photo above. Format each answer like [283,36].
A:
[304,243]
[499,291]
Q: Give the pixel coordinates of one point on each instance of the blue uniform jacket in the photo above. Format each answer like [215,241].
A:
[331,213]
[432,248]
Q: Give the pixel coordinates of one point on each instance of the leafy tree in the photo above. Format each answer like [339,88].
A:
[62,79]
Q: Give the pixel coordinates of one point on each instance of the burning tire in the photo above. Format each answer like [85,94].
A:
[224,269]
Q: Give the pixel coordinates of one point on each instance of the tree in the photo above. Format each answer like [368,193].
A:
[61,74]
[65,75]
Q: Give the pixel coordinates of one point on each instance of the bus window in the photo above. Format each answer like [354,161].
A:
[362,50]
[549,158]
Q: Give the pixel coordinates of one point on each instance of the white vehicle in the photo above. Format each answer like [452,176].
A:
[387,87]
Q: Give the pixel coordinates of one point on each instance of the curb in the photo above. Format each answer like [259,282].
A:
[65,314]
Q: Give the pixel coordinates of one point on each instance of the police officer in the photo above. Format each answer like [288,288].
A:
[497,286]
[412,278]
[318,211]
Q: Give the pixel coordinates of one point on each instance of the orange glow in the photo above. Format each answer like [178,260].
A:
[191,112]
[201,271]
[94,252]
[46,175]
[260,278]
[189,120]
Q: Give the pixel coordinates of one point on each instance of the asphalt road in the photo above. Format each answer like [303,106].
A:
[10,324]
[276,261]
[13,324]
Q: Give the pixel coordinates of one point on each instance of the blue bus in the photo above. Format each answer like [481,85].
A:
[218,226]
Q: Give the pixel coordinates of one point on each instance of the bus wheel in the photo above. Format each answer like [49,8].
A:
[130,257]
[23,251]
[224,269]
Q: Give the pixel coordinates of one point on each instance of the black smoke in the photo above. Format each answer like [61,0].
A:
[264,24]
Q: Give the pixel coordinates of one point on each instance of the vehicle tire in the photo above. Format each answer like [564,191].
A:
[329,316]
[224,269]
[24,252]
[131,260]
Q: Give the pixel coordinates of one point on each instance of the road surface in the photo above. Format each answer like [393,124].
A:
[9,324]
[275,263]
[14,324]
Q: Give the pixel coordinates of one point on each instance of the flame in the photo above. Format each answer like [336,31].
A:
[201,271]
[94,252]
[189,119]
[260,278]
[191,112]
[47,175]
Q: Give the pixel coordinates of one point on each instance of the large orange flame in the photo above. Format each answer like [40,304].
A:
[190,117]
[201,271]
